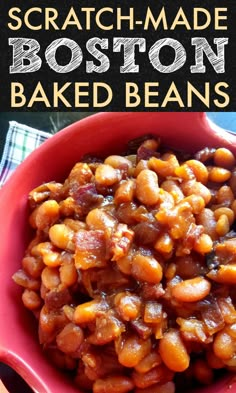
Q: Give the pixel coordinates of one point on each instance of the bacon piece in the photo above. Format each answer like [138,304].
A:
[121,241]
[90,249]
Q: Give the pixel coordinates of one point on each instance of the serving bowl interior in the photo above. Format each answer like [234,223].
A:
[101,134]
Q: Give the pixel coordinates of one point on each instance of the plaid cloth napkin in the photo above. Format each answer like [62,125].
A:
[21,140]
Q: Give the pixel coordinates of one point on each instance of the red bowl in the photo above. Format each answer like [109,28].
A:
[104,133]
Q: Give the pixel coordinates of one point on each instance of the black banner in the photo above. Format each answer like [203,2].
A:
[118,56]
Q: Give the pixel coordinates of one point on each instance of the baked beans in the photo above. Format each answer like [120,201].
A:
[132,268]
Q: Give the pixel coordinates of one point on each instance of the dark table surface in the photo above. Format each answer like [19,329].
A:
[52,122]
